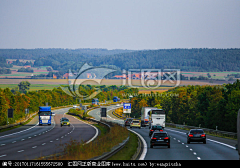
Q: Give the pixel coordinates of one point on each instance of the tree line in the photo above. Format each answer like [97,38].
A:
[21,99]
[207,106]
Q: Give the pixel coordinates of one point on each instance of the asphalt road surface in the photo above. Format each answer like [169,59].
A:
[215,149]
[33,141]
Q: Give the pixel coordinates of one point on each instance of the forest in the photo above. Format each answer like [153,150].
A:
[20,100]
[209,106]
[196,59]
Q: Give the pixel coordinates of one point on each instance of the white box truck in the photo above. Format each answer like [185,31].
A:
[157,117]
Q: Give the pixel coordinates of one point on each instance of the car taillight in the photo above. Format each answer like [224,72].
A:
[203,135]
[151,130]
[154,138]
[190,135]
[161,130]
[166,138]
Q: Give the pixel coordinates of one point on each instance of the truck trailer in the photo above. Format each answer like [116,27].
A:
[145,116]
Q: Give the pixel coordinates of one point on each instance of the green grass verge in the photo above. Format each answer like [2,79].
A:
[127,152]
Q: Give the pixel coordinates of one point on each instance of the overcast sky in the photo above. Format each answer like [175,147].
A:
[119,24]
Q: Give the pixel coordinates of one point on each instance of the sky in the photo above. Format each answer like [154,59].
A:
[119,24]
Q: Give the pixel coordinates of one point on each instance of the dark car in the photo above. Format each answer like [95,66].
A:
[196,135]
[127,121]
[160,139]
[155,128]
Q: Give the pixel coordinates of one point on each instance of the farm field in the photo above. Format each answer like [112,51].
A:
[118,82]
[214,75]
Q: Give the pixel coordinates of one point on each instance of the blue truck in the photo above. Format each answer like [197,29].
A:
[116,99]
[45,115]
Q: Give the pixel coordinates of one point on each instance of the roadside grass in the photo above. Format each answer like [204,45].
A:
[127,152]
[80,151]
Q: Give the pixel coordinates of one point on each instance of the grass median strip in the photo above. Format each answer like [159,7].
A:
[127,152]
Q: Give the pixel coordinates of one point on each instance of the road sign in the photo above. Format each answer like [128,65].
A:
[103,112]
[10,113]
[127,107]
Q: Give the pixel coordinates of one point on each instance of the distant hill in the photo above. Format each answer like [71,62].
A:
[198,60]
[195,60]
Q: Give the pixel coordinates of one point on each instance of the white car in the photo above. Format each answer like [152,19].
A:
[74,106]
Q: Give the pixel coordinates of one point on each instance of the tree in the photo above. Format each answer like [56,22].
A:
[24,86]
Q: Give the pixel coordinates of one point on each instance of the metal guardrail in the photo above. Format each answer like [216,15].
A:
[212,131]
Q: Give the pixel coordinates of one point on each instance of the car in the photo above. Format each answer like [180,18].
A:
[74,106]
[53,114]
[64,122]
[160,139]
[196,135]
[155,128]
[135,123]
[127,121]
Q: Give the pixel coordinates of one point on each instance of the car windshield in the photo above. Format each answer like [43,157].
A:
[196,132]
[157,135]
[135,121]
[156,127]
[65,120]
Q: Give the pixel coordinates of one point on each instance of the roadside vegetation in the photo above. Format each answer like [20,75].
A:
[208,106]
[21,98]
[104,143]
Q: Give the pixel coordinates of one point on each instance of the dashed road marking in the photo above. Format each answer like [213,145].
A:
[21,151]
[3,155]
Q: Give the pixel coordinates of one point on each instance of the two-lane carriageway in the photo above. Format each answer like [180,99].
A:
[33,141]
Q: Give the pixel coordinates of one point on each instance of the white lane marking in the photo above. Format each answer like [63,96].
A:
[198,158]
[3,144]
[14,141]
[186,146]
[34,147]
[57,139]
[190,149]
[144,145]
[178,140]
[21,151]
[183,143]
[194,153]
[3,155]
[29,137]
[23,139]
[44,144]
[51,141]
[232,147]
[19,131]
[222,143]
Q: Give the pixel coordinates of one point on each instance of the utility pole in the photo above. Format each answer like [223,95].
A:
[238,132]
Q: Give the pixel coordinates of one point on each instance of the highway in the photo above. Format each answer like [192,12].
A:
[215,149]
[33,141]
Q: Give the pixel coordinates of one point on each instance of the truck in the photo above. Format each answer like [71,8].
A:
[116,99]
[145,115]
[157,117]
[45,115]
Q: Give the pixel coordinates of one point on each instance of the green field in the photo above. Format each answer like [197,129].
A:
[33,87]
